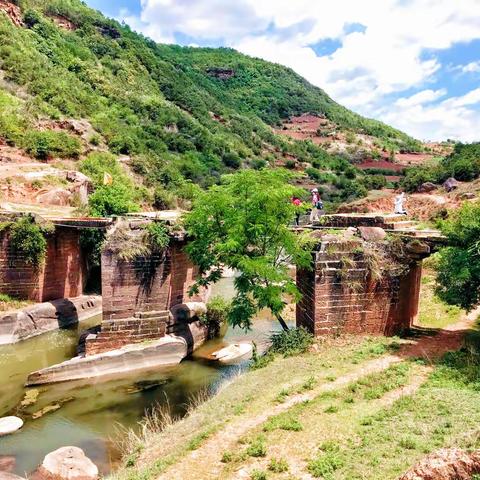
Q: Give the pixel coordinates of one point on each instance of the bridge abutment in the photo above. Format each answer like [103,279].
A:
[360,287]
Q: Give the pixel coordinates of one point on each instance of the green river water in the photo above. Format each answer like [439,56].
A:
[92,413]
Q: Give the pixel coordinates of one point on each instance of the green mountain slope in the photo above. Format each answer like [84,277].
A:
[178,113]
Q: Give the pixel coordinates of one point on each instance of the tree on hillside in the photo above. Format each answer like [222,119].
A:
[243,224]
[459,266]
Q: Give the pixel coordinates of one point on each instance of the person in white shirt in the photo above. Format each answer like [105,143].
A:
[317,206]
[399,201]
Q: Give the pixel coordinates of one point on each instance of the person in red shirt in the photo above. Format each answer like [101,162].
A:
[297,203]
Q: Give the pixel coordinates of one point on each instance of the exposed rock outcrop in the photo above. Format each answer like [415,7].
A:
[68,463]
[44,317]
[221,73]
[445,464]
[426,187]
[55,196]
[451,184]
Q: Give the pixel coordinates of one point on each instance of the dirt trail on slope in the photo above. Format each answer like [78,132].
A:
[204,463]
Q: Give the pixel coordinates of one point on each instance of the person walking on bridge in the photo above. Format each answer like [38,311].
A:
[297,203]
[317,206]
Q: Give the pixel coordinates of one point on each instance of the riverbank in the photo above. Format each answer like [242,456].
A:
[352,408]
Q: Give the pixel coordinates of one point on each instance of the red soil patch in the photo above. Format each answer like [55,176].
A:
[381,164]
[13,12]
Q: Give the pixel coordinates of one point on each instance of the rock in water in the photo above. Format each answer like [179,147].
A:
[234,353]
[10,425]
[445,464]
[68,463]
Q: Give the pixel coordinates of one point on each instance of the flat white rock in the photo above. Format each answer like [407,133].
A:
[234,353]
[69,463]
[10,425]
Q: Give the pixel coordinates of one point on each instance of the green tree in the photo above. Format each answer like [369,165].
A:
[243,224]
[459,264]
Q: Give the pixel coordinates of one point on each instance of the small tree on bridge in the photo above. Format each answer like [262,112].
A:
[243,224]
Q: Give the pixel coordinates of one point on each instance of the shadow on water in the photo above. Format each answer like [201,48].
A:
[88,413]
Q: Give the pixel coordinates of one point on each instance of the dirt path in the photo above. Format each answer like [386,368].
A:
[204,463]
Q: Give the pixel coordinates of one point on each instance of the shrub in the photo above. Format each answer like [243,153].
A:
[290,164]
[258,163]
[374,182]
[458,279]
[324,466]
[258,475]
[291,342]
[285,421]
[257,448]
[217,314]
[45,144]
[313,173]
[27,239]
[163,199]
[279,465]
[158,237]
[327,463]
[107,200]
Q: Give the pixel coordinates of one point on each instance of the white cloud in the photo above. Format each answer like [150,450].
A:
[368,72]
[472,67]
[448,119]
[425,96]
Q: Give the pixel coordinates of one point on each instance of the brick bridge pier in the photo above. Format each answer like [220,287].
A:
[365,275]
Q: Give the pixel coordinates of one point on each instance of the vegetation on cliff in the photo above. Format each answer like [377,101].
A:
[462,164]
[173,111]
[459,263]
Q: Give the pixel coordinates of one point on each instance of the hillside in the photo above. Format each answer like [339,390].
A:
[75,84]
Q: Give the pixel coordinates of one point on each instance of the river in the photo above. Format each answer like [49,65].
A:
[91,414]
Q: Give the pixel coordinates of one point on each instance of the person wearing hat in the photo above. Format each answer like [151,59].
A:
[317,206]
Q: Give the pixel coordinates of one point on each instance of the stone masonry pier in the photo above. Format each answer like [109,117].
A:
[363,280]
[139,293]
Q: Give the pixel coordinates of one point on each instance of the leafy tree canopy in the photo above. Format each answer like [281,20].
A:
[459,265]
[243,224]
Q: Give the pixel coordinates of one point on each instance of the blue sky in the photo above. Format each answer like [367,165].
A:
[414,64]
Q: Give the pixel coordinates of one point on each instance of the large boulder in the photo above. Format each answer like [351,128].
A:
[9,425]
[426,187]
[74,176]
[56,196]
[445,464]
[450,184]
[68,463]
[372,234]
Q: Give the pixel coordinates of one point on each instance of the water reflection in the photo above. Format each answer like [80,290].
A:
[88,413]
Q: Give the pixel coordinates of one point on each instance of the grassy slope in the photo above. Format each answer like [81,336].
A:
[434,313]
[353,431]
[154,102]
